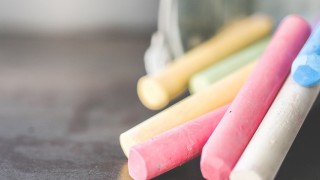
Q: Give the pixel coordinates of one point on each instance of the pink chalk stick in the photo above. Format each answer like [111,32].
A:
[228,141]
[172,148]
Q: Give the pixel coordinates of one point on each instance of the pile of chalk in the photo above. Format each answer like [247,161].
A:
[245,107]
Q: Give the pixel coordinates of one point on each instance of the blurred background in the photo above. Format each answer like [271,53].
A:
[77,16]
[68,73]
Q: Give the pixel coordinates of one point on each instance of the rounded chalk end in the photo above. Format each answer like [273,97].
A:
[152,94]
[198,83]
[245,174]
[126,142]
[306,76]
[137,165]
[215,168]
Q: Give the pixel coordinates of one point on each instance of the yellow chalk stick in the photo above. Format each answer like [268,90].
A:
[156,91]
[216,95]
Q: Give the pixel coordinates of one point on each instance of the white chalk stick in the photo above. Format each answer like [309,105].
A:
[267,149]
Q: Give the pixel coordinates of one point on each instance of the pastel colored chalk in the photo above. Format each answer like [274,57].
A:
[156,91]
[266,151]
[173,147]
[306,68]
[231,136]
[217,71]
[215,96]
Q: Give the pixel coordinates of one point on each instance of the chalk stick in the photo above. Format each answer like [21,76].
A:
[306,68]
[272,140]
[156,91]
[216,71]
[231,136]
[173,147]
[215,96]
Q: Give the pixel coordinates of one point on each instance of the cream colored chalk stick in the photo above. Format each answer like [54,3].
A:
[218,94]
[156,91]
[267,149]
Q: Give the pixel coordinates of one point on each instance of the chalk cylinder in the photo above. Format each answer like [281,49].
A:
[306,68]
[215,96]
[245,113]
[204,78]
[173,147]
[156,91]
[266,151]
[270,144]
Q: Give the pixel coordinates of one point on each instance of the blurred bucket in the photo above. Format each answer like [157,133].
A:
[183,24]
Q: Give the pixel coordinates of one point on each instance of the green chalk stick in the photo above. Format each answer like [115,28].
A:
[215,72]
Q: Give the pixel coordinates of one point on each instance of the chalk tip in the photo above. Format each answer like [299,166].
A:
[151,93]
[215,168]
[306,76]
[137,165]
[245,174]
[126,142]
[295,17]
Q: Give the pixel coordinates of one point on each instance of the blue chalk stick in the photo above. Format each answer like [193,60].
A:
[305,69]
[306,76]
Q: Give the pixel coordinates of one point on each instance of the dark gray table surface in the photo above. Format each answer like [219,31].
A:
[64,102]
